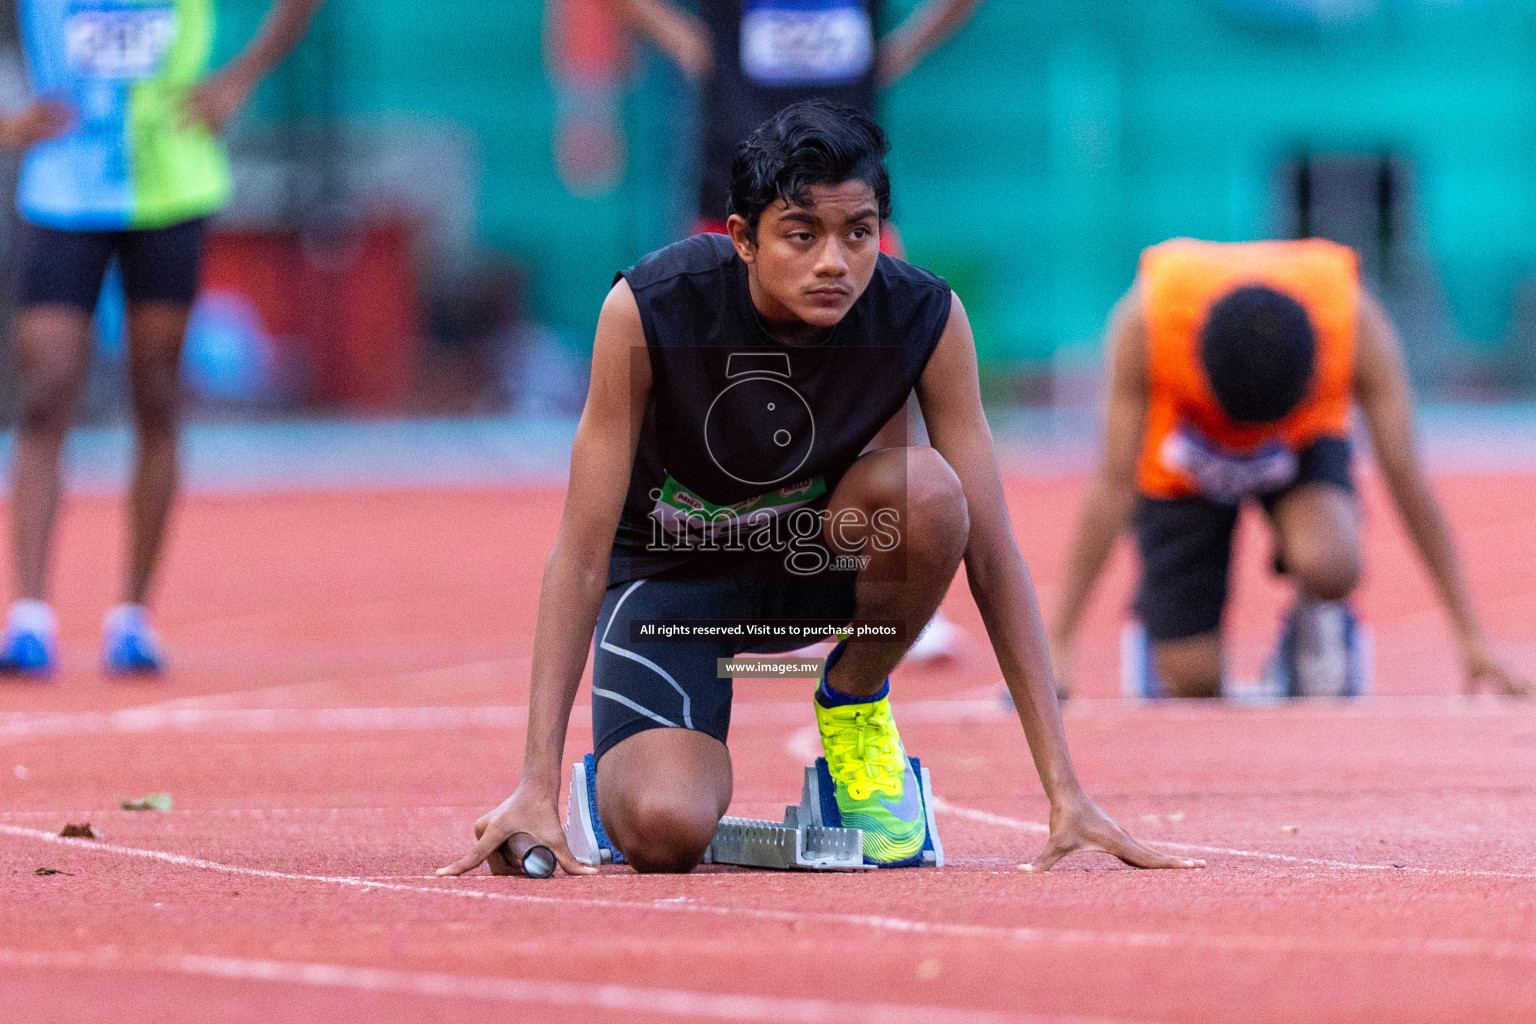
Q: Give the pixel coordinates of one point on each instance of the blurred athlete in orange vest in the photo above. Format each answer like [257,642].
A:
[1233,369]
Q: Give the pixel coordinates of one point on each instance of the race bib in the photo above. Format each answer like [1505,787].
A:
[1225,476]
[118,42]
[785,43]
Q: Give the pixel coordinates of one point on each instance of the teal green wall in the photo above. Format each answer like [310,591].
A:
[1035,154]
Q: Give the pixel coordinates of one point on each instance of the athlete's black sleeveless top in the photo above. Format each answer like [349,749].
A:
[769,54]
[741,426]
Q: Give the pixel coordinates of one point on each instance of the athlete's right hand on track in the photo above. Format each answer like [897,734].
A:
[520,812]
[1079,826]
[40,121]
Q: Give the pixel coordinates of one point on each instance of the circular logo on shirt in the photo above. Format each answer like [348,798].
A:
[759,430]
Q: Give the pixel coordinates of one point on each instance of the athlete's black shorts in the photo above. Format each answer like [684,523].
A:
[672,683]
[1186,546]
[67,267]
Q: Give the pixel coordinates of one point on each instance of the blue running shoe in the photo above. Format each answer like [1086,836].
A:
[29,643]
[129,645]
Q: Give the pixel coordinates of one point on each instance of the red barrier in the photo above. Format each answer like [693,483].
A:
[347,301]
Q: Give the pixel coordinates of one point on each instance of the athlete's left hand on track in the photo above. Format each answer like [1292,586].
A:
[1079,826]
[1482,667]
[215,100]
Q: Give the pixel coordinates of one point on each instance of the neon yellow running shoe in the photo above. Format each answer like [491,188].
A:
[876,789]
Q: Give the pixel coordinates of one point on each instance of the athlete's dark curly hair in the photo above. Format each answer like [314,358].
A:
[812,142]
[1258,348]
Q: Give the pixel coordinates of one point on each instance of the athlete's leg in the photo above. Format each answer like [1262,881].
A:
[161,268]
[893,435]
[661,794]
[660,716]
[909,579]
[940,638]
[53,345]
[1186,554]
[1190,666]
[1317,535]
[155,334]
[1318,529]
[60,280]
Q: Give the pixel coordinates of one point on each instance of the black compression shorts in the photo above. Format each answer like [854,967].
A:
[68,267]
[1186,546]
[672,683]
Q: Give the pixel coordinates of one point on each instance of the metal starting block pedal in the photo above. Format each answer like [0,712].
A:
[810,838]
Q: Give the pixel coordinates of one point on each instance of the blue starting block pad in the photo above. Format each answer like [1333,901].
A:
[810,838]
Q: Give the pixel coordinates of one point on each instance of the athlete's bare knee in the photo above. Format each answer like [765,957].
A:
[1318,527]
[936,507]
[1324,569]
[47,398]
[665,832]
[157,398]
[1189,667]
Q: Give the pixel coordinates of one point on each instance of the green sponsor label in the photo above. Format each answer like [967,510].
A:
[685,517]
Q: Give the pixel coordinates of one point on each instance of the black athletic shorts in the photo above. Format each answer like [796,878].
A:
[672,683]
[1186,546]
[67,267]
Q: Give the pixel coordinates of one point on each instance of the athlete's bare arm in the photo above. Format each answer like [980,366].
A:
[674,30]
[221,95]
[919,34]
[38,121]
[1386,401]
[951,402]
[1112,500]
[575,578]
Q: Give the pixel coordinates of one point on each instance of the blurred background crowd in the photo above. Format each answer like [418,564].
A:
[431,198]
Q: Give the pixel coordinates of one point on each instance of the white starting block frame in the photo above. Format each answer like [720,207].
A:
[803,841]
[1138,679]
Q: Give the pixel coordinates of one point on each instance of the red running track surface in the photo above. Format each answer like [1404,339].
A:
[347,697]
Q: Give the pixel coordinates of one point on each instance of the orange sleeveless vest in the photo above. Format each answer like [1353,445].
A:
[1180,281]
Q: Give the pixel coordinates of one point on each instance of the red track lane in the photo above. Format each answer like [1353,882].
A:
[350,675]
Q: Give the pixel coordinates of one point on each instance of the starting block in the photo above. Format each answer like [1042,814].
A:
[1322,651]
[810,838]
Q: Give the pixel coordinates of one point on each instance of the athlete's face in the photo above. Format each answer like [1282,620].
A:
[811,263]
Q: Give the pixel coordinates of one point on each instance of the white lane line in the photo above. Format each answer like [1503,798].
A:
[609,996]
[155,718]
[804,744]
[1040,937]
[23,724]
[286,693]
[1039,828]
[606,996]
[1376,707]
[198,714]
[264,720]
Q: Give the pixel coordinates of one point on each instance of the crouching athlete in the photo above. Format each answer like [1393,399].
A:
[1234,368]
[736,381]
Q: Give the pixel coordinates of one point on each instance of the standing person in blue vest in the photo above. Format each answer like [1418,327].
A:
[756,57]
[122,161]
